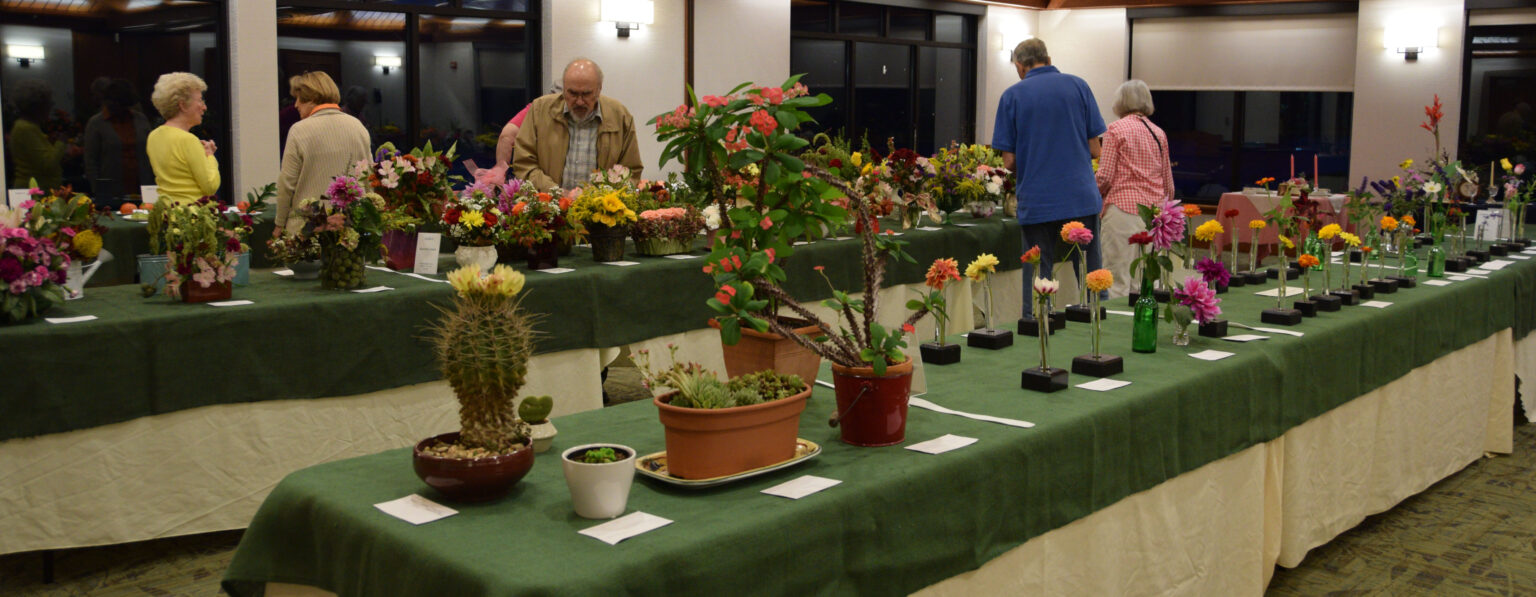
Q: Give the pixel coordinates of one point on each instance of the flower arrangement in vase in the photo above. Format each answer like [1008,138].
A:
[478,217]
[757,127]
[1327,300]
[299,253]
[1207,233]
[483,343]
[1253,275]
[1077,236]
[980,271]
[1196,302]
[415,187]
[1027,324]
[1305,304]
[69,220]
[969,176]
[1388,227]
[1235,280]
[605,208]
[348,222]
[1191,211]
[202,247]
[1044,378]
[32,270]
[1096,363]
[1161,241]
[540,222]
[667,230]
[1517,196]
[940,351]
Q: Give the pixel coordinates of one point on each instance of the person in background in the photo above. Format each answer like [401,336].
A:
[35,154]
[568,136]
[355,103]
[322,146]
[1134,169]
[114,145]
[1047,130]
[507,141]
[185,167]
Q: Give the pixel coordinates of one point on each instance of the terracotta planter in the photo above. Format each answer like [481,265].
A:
[771,352]
[192,292]
[470,479]
[705,443]
[872,410]
[401,250]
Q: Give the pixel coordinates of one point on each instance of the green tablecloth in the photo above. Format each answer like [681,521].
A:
[900,520]
[127,239]
[151,356]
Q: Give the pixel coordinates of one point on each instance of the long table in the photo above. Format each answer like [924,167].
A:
[1287,414]
[127,239]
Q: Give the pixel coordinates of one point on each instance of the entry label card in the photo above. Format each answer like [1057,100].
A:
[15,197]
[428,247]
[415,509]
[79,319]
[235,303]
[1104,384]
[942,444]
[1211,355]
[624,527]
[801,487]
[1438,282]
[149,194]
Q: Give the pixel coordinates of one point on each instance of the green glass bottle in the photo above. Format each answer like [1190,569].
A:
[1436,261]
[1144,330]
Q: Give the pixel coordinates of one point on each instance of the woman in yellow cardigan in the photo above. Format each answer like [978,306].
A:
[185,168]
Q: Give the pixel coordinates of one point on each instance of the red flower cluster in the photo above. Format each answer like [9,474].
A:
[1231,213]
[725,294]
[1435,113]
[1141,238]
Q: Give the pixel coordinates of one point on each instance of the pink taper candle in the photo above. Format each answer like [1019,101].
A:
[1293,166]
[1316,182]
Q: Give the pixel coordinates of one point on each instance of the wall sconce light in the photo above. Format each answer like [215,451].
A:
[628,14]
[387,62]
[24,54]
[1409,39]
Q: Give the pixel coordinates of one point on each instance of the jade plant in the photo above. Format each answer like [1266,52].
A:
[483,344]
[698,387]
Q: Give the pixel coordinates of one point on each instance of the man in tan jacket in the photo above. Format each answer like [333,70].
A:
[568,135]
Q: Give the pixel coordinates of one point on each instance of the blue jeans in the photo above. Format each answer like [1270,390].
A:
[1047,236]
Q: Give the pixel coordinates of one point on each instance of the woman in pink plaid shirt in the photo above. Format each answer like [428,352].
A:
[1133,170]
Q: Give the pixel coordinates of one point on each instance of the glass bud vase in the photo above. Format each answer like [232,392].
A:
[1144,321]
[1436,261]
[1181,337]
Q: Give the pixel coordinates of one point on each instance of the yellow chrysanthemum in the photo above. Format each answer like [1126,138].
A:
[1388,223]
[472,219]
[980,267]
[1100,280]
[1504,163]
[1257,224]
[1208,231]
[857,158]
[1329,232]
[1286,242]
[1409,221]
[1408,163]
[1350,239]
[87,243]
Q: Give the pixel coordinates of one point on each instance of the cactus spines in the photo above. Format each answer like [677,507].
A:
[483,347]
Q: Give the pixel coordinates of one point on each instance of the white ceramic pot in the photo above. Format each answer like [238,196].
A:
[543,435]
[599,490]
[485,256]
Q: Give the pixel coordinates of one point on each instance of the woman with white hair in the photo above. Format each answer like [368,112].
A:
[1133,170]
[185,168]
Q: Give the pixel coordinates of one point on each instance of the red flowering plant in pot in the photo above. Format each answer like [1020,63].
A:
[415,187]
[203,247]
[757,127]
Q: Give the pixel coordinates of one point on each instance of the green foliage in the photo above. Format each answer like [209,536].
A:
[698,387]
[602,455]
[535,409]
[257,197]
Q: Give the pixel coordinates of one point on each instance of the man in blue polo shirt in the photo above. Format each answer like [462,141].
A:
[1048,128]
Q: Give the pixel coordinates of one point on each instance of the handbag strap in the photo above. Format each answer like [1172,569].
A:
[1159,142]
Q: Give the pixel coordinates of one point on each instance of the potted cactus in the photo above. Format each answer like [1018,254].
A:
[534,410]
[482,343]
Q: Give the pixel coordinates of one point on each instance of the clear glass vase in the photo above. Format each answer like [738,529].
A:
[1181,337]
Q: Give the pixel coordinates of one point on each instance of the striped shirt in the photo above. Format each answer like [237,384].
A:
[1133,165]
[581,151]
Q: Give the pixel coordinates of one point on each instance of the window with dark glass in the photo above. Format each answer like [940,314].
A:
[1221,141]
[1499,118]
[88,44]
[894,72]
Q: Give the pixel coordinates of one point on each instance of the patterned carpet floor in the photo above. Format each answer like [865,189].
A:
[1473,533]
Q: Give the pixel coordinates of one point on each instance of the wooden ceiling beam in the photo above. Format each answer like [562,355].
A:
[1081,4]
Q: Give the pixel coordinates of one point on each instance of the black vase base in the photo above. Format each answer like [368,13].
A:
[1525,243]
[1364,291]
[1346,297]
[1291,273]
[1307,308]
[940,354]
[1221,288]
[1217,328]
[1455,265]
[1479,256]
[1104,365]
[1058,320]
[1281,316]
[989,339]
[1236,281]
[1355,256]
[1044,380]
[1498,250]
[1326,302]
[1029,327]
[1255,278]
[1384,285]
[1404,281]
[1084,313]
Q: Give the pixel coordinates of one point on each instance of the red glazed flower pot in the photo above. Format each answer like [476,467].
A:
[871,409]
[471,479]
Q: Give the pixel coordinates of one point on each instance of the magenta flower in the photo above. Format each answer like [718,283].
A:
[1168,226]
[1080,236]
[1200,299]
[1213,271]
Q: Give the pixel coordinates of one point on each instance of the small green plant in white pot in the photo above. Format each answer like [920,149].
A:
[599,477]
[534,410]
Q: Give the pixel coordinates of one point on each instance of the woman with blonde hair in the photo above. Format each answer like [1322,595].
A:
[321,146]
[1133,170]
[185,169]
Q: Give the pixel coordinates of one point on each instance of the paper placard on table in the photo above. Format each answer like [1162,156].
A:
[556,270]
[1497,264]
[1125,313]
[69,319]
[1278,331]
[1245,338]
[1289,291]
[681,256]
[234,303]
[282,272]
[428,247]
[801,487]
[624,527]
[1479,272]
[1457,277]
[1104,384]
[1211,355]
[1437,282]
[926,404]
[622,263]
[841,237]
[929,228]
[800,243]
[148,194]
[1491,224]
[964,224]
[1376,304]
[942,444]
[1520,257]
[374,289]
[15,197]
[415,509]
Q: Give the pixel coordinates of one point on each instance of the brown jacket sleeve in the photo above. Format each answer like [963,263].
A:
[525,156]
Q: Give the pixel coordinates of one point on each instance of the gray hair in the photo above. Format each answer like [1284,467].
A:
[31,95]
[575,61]
[1031,51]
[1133,96]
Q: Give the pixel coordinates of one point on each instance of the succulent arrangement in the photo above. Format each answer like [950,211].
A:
[698,387]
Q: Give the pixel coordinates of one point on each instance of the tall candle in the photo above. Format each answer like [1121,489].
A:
[1293,166]
[1316,182]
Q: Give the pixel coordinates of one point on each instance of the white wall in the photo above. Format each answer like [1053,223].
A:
[56,69]
[253,126]
[1390,92]
[1002,28]
[1090,44]
[643,71]
[756,32]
